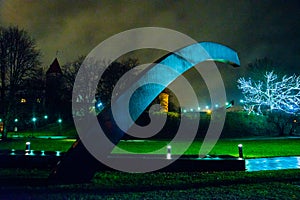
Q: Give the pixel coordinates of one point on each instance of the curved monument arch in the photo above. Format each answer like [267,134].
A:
[71,167]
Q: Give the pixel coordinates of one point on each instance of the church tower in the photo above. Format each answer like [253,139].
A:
[53,94]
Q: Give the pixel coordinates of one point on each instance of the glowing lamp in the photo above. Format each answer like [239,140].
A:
[240,147]
[208,112]
[169,152]
[13,152]
[27,148]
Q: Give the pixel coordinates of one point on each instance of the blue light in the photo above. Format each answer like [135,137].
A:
[34,119]
[99,105]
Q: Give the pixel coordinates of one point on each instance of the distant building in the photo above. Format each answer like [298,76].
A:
[53,90]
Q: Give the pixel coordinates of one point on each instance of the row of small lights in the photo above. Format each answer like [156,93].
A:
[34,119]
[207,108]
[28,151]
[169,154]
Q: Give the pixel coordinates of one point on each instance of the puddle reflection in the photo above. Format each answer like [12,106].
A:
[259,164]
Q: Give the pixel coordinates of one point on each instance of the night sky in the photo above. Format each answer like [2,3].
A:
[255,29]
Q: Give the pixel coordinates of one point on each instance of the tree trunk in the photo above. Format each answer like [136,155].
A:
[4,133]
[292,130]
[281,130]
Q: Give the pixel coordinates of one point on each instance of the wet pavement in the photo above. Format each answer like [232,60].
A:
[276,163]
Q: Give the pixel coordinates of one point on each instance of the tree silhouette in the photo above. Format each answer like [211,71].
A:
[19,59]
[107,82]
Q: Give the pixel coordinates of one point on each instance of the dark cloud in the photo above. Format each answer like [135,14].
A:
[255,29]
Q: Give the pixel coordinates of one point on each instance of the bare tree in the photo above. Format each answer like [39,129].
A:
[271,93]
[110,78]
[107,82]
[19,59]
[278,99]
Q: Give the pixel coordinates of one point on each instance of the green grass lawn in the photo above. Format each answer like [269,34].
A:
[251,148]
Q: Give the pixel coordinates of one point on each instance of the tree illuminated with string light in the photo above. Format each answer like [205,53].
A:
[271,94]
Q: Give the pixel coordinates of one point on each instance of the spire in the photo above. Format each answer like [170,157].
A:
[54,68]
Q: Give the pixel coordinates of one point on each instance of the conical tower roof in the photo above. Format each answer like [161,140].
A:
[54,68]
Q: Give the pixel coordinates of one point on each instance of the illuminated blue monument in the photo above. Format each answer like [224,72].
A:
[79,165]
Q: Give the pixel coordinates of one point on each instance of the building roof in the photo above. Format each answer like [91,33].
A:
[54,68]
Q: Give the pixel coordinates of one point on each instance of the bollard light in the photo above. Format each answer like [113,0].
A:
[27,148]
[57,153]
[169,151]
[240,146]
[42,153]
[13,152]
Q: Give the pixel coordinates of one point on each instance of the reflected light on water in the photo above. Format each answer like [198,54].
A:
[259,164]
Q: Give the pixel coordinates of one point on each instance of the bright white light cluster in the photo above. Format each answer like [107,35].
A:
[272,93]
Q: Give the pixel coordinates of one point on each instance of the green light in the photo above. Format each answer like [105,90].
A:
[16,120]
[34,119]
[59,120]
[0,120]
[46,117]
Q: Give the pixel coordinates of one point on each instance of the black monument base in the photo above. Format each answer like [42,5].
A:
[29,159]
[185,163]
